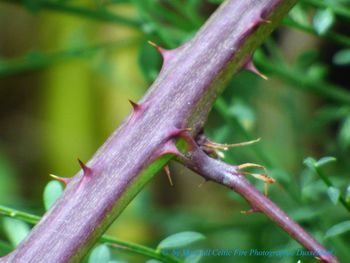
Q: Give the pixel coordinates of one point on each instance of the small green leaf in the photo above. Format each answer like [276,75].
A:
[100,254]
[347,194]
[344,134]
[325,160]
[243,113]
[15,230]
[317,71]
[334,194]
[153,261]
[310,162]
[52,192]
[299,15]
[338,229]
[180,240]
[342,57]
[323,21]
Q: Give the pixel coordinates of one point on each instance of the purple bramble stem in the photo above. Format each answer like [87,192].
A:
[192,77]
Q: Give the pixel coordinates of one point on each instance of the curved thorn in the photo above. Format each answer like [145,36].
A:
[202,183]
[135,106]
[226,146]
[63,180]
[264,177]
[251,67]
[168,148]
[87,171]
[167,54]
[264,21]
[250,165]
[159,49]
[184,134]
[167,171]
[250,211]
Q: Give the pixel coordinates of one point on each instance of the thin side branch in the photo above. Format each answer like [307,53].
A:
[214,170]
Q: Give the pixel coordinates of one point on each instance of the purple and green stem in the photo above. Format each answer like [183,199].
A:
[192,77]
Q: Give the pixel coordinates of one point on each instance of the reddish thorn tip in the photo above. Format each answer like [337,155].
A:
[135,106]
[264,21]
[251,67]
[63,180]
[167,171]
[251,211]
[159,49]
[86,170]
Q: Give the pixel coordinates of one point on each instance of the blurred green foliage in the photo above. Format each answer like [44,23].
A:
[67,69]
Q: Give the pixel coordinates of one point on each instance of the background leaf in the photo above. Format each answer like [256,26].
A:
[334,194]
[15,230]
[323,20]
[52,192]
[100,254]
[338,229]
[181,239]
[325,160]
[342,57]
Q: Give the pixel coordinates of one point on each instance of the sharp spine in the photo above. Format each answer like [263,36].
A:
[135,105]
[63,180]
[86,170]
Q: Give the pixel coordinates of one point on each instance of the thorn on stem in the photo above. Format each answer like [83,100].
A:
[225,146]
[165,53]
[184,134]
[202,183]
[250,211]
[86,170]
[135,106]
[160,49]
[250,165]
[63,180]
[264,21]
[263,177]
[167,171]
[168,148]
[251,67]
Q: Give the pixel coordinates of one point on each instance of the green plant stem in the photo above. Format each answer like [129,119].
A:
[26,217]
[138,249]
[329,183]
[337,9]
[98,15]
[320,87]
[331,36]
[114,242]
[38,60]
